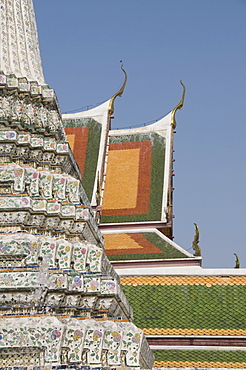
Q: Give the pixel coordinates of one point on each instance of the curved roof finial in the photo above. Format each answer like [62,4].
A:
[195,245]
[237,266]
[119,93]
[178,106]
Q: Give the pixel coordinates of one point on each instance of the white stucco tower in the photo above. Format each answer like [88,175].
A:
[60,299]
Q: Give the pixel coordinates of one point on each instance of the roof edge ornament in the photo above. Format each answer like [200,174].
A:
[237,262]
[178,106]
[195,243]
[119,93]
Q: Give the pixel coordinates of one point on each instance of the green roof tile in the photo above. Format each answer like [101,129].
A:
[191,306]
[166,250]
[199,355]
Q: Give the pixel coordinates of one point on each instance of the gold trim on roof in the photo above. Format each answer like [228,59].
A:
[178,106]
[119,93]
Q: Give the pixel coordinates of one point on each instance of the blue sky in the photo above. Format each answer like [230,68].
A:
[160,42]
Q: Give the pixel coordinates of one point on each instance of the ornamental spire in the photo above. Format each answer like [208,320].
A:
[119,93]
[19,47]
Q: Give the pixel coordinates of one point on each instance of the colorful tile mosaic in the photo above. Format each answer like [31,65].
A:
[141,199]
[86,341]
[21,55]
[82,256]
[84,136]
[54,274]
[200,359]
[208,281]
[187,305]
[145,245]
[128,168]
[78,140]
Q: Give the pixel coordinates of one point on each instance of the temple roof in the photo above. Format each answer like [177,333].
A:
[138,174]
[135,162]
[19,48]
[141,244]
[87,135]
[197,321]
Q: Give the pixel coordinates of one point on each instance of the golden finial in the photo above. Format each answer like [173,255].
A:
[237,266]
[178,106]
[195,245]
[119,93]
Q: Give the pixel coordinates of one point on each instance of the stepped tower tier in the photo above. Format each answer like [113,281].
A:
[61,303]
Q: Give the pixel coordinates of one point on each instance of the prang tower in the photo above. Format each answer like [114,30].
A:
[60,298]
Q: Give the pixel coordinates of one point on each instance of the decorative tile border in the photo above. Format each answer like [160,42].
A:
[207,281]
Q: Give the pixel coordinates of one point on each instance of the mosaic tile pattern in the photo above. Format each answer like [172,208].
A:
[41,182]
[200,358]
[145,245]
[128,168]
[84,136]
[19,41]
[62,253]
[86,340]
[147,165]
[187,305]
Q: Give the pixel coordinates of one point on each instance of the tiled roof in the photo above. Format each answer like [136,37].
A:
[188,305]
[141,245]
[183,280]
[200,358]
[84,138]
[134,179]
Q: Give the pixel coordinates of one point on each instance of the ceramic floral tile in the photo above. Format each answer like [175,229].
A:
[82,213]
[8,135]
[80,251]
[112,342]
[68,210]
[92,284]
[94,258]
[47,247]
[49,144]
[59,186]
[24,138]
[13,173]
[37,141]
[53,207]
[63,253]
[62,148]
[74,340]
[76,283]
[93,341]
[108,286]
[72,189]
[45,183]
[32,179]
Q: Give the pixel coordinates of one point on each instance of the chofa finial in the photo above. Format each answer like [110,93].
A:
[119,93]
[237,266]
[178,106]
[195,243]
